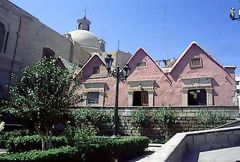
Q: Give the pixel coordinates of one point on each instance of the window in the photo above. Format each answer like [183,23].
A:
[80,26]
[237,82]
[96,70]
[140,98]
[141,64]
[92,98]
[47,52]
[196,62]
[197,97]
[2,36]
[238,91]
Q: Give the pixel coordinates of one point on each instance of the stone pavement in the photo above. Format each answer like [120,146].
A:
[231,154]
[152,154]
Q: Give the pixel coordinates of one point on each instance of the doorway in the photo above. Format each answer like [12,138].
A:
[140,98]
[197,97]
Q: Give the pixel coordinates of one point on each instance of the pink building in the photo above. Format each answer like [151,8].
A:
[194,79]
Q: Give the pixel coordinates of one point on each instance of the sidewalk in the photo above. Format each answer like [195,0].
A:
[231,154]
[153,150]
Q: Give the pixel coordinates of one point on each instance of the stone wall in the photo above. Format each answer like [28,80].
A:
[186,120]
[187,146]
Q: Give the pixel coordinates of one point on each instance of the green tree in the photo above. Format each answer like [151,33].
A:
[44,95]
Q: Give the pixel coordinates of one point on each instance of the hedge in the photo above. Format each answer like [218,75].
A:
[34,142]
[5,136]
[93,150]
[106,149]
[64,154]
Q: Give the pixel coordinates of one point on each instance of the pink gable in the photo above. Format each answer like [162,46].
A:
[88,68]
[222,83]
[151,70]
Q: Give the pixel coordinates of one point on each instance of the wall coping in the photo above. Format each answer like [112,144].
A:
[157,107]
[171,147]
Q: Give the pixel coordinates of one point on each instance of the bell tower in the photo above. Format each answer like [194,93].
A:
[84,23]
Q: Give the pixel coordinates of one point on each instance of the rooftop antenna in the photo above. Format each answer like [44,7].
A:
[118,45]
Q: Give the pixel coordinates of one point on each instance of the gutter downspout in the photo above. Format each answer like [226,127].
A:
[15,50]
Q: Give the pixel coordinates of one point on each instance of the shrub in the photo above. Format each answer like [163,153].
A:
[95,149]
[83,136]
[5,136]
[210,118]
[106,149]
[141,117]
[101,121]
[165,116]
[64,154]
[26,143]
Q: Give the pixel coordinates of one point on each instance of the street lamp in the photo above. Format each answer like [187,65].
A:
[119,74]
[233,15]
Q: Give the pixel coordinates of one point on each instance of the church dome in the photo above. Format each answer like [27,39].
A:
[85,38]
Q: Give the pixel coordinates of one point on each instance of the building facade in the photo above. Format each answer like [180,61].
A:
[238,91]
[194,79]
[25,40]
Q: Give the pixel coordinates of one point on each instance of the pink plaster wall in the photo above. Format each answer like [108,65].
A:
[151,72]
[168,86]
[223,82]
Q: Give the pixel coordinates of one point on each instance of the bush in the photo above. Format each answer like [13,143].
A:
[34,142]
[210,118]
[106,149]
[95,149]
[165,116]
[5,136]
[64,154]
[141,117]
[101,121]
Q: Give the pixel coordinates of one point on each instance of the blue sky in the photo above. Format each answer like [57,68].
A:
[164,28]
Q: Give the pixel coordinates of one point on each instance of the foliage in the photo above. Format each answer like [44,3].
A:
[210,118]
[141,117]
[44,94]
[34,142]
[4,136]
[83,136]
[165,116]
[100,121]
[106,149]
[95,149]
[65,153]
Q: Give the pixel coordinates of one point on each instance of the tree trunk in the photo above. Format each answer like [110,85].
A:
[46,135]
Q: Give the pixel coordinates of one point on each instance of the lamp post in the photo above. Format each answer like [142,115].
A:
[119,74]
[233,15]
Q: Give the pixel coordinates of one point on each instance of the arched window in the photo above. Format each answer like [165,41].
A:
[2,36]
[48,52]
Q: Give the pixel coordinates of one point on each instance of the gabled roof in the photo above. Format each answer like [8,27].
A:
[140,49]
[187,49]
[68,65]
[94,55]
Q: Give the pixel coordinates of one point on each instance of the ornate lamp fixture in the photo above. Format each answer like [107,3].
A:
[119,74]
[233,15]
